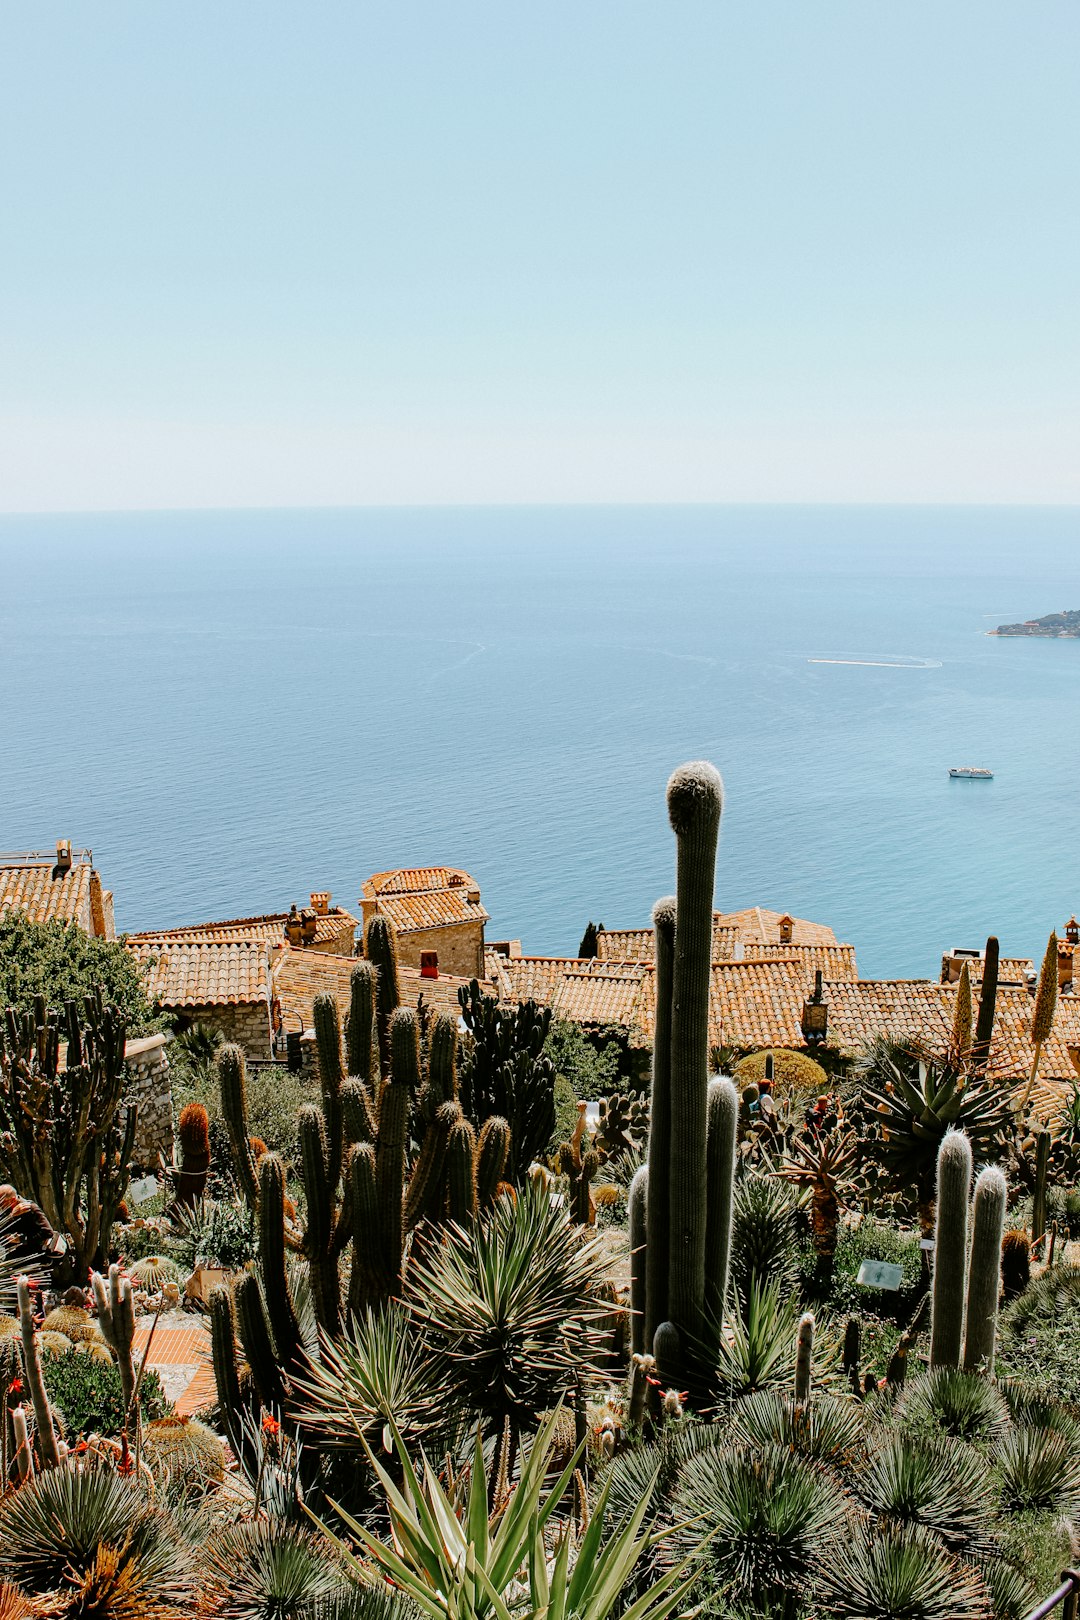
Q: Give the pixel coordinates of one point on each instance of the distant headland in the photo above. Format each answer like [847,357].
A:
[1052,624]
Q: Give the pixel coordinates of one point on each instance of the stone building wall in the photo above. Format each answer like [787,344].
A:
[248,1024]
[460,947]
[150,1089]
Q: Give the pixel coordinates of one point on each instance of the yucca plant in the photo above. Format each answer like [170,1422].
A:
[821,1163]
[923,1480]
[762,1235]
[508,1306]
[268,1570]
[769,1509]
[758,1350]
[963,1405]
[84,1524]
[376,1373]
[457,1561]
[1033,1406]
[830,1430]
[1038,1470]
[900,1572]
[910,1099]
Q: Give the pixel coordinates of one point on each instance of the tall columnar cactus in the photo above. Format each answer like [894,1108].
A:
[1042,1016]
[116,1319]
[638,1213]
[722,1146]
[1038,1203]
[695,799]
[984,1271]
[950,1250]
[360,1026]
[984,1023]
[380,948]
[659,1160]
[579,1165]
[852,1359]
[804,1353]
[48,1449]
[508,1073]
[232,1080]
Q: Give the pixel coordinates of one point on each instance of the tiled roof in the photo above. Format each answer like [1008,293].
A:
[216,972]
[758,926]
[758,1003]
[639,945]
[33,889]
[527,978]
[600,993]
[269,927]
[417,880]
[300,975]
[431,908]
[832,961]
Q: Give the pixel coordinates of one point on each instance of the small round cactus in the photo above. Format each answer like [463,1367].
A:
[187,1450]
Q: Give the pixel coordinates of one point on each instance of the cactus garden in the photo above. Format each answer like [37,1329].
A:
[750,1340]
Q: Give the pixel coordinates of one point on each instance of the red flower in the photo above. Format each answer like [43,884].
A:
[270,1425]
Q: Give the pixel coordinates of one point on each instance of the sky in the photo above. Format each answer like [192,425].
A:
[266,254]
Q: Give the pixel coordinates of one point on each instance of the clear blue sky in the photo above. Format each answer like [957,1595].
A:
[336,253]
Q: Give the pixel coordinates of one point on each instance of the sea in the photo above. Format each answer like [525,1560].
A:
[233,709]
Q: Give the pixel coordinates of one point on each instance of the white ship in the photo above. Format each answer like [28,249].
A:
[977,773]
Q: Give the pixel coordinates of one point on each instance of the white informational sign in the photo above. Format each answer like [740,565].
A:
[880,1274]
[141,1191]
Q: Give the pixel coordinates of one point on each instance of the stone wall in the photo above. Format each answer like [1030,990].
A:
[247,1024]
[150,1089]
[460,947]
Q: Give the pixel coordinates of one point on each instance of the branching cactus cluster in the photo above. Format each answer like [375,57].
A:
[682,1197]
[967,1273]
[386,1151]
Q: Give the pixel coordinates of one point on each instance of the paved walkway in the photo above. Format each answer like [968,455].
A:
[182,1358]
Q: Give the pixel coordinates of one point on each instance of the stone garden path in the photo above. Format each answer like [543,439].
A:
[181,1357]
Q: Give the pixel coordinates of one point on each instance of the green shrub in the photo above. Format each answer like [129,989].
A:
[566,1111]
[58,961]
[221,1232]
[592,1066]
[89,1395]
[869,1240]
[794,1074]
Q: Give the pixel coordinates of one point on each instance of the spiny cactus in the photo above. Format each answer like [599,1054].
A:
[1038,1204]
[193,1132]
[380,949]
[984,1023]
[232,1081]
[960,1037]
[579,1165]
[67,1134]
[852,1357]
[507,1073]
[184,1449]
[638,1216]
[48,1449]
[1015,1262]
[659,1161]
[1042,1017]
[984,1270]
[624,1122]
[950,1250]
[804,1352]
[116,1319]
[722,1149]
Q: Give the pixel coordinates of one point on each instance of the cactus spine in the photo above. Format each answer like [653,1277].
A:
[804,1352]
[950,1249]
[193,1130]
[492,1153]
[695,796]
[380,948]
[659,1160]
[638,1211]
[984,1271]
[960,1039]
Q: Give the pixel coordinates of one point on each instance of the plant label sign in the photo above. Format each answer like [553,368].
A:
[141,1191]
[880,1274]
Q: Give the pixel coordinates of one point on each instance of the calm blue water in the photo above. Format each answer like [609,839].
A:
[235,709]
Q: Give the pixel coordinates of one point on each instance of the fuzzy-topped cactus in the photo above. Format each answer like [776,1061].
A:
[45,1438]
[693,1129]
[116,1319]
[967,1277]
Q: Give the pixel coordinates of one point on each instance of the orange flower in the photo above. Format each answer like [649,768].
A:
[270,1425]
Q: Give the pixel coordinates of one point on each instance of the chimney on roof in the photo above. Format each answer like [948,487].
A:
[429,964]
[308,925]
[320,903]
[455,880]
[293,926]
[63,856]
[1072,931]
[472,896]
[815,1015]
[787,928]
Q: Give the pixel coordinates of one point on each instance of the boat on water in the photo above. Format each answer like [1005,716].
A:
[975,773]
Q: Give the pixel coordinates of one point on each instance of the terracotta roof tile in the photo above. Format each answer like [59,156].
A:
[599,993]
[639,945]
[33,889]
[431,908]
[527,978]
[300,975]
[759,926]
[833,961]
[214,973]
[417,880]
[269,927]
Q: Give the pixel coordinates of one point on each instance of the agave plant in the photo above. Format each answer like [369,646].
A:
[769,1509]
[829,1430]
[509,1306]
[377,1373]
[758,1351]
[910,1099]
[872,1573]
[821,1162]
[457,1561]
[762,1235]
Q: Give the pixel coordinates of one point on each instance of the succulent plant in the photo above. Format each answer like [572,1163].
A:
[186,1450]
